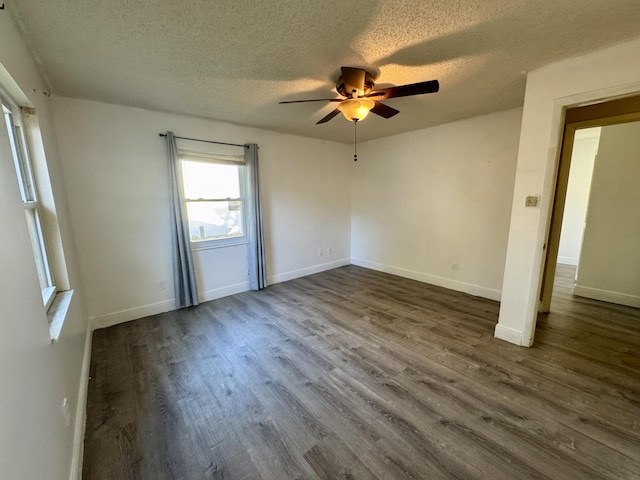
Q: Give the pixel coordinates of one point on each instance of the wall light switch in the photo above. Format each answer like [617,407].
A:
[531,201]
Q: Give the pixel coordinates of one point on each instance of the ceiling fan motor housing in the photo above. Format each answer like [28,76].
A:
[343,89]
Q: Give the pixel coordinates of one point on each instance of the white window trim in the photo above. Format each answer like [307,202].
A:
[28,191]
[48,296]
[221,159]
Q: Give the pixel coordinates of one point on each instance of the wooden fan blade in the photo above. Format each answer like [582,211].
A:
[384,110]
[430,86]
[315,100]
[353,80]
[329,117]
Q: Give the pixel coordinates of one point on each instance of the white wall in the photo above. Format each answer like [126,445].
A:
[585,147]
[610,261]
[36,375]
[425,200]
[578,80]
[117,182]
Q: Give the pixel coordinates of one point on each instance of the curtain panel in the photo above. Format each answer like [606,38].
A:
[184,279]
[256,256]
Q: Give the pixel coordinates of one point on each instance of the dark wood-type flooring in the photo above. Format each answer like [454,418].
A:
[356,374]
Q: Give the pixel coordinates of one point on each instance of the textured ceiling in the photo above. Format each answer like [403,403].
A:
[234,60]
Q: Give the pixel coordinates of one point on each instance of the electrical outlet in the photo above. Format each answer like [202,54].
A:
[320,252]
[161,285]
[65,412]
[454,266]
[328,250]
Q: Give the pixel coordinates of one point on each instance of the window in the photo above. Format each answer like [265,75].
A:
[214,191]
[24,170]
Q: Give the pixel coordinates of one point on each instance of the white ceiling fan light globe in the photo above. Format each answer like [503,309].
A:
[356,109]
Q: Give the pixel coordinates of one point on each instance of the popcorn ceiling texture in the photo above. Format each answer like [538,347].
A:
[235,60]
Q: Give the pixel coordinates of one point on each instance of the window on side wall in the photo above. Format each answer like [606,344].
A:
[24,169]
[214,192]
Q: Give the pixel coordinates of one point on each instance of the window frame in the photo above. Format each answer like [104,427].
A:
[219,159]
[12,117]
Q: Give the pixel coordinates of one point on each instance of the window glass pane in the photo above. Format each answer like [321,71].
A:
[21,163]
[38,248]
[210,180]
[215,220]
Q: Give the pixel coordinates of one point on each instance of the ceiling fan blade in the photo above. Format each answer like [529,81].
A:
[430,86]
[315,100]
[384,110]
[329,117]
[353,80]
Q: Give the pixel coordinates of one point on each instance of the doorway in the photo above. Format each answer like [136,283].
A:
[608,234]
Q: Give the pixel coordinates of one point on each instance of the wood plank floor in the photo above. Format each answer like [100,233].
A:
[356,374]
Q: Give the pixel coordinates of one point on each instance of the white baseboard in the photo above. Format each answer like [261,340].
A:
[607,296]
[122,316]
[509,335]
[567,260]
[80,422]
[469,288]
[216,293]
[303,272]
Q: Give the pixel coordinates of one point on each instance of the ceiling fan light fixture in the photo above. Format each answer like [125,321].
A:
[356,86]
[356,109]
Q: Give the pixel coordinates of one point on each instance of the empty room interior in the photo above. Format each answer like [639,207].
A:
[332,240]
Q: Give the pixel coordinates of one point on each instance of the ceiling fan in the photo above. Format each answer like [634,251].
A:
[357,86]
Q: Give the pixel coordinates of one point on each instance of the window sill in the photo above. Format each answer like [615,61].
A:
[57,313]
[219,244]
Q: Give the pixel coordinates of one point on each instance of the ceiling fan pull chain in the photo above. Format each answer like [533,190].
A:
[355,140]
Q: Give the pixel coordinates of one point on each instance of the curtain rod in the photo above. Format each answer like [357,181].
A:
[205,141]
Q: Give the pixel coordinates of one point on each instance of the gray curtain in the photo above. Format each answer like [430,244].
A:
[184,279]
[257,267]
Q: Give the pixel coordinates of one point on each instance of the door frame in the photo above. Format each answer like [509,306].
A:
[612,112]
